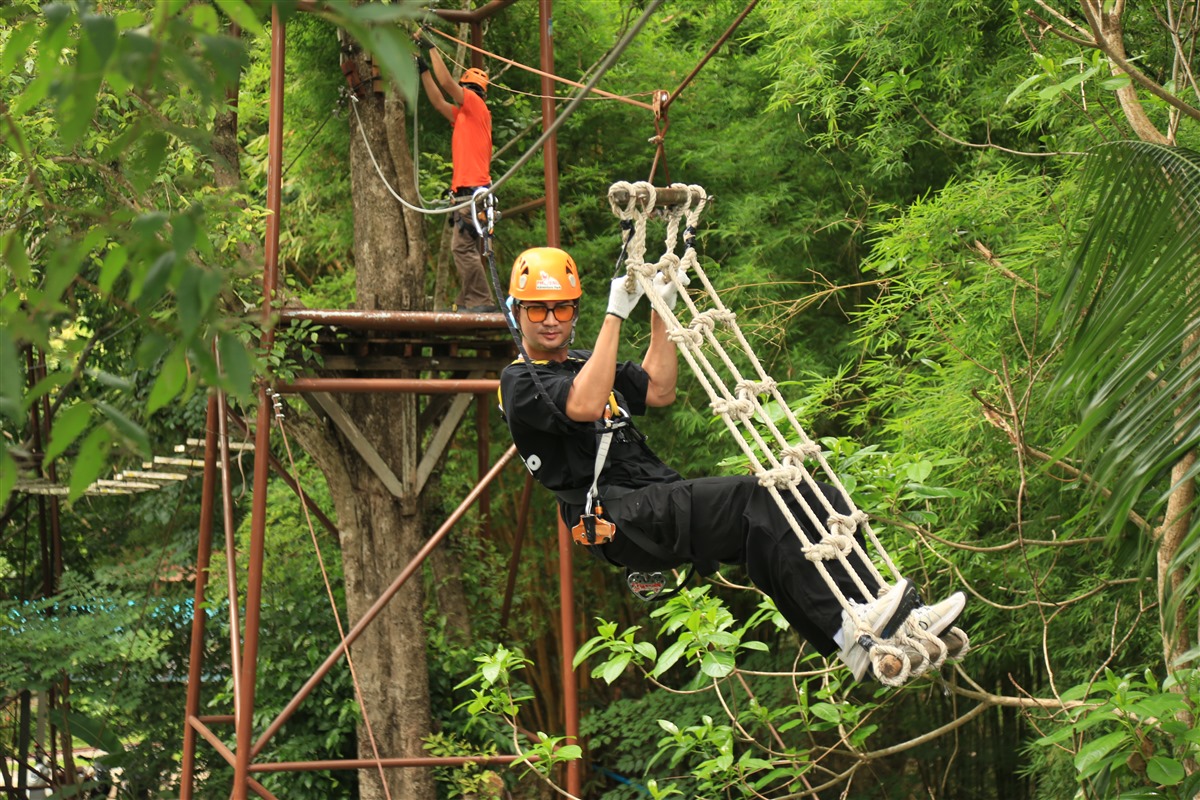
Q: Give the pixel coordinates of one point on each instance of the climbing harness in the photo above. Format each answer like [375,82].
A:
[778,460]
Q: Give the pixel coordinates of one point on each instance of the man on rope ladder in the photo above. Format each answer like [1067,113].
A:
[570,415]
[471,159]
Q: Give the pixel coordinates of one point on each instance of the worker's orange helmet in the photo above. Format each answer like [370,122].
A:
[476,77]
[545,273]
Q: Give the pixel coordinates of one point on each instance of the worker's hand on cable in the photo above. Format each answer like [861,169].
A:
[621,301]
[422,65]
[668,289]
[421,40]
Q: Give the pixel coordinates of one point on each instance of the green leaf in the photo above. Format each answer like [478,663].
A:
[589,647]
[826,711]
[69,425]
[101,36]
[172,378]
[235,365]
[8,475]
[142,162]
[668,658]
[204,19]
[392,50]
[242,14]
[91,461]
[17,46]
[33,93]
[1165,771]
[112,266]
[135,434]
[717,664]
[374,13]
[1091,756]
[568,752]
[94,732]
[11,405]
[147,291]
[612,670]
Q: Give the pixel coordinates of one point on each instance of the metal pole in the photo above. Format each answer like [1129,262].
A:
[550,150]
[570,689]
[515,559]
[482,448]
[262,433]
[203,557]
[373,385]
[565,552]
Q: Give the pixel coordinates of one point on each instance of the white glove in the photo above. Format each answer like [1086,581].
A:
[666,288]
[621,301]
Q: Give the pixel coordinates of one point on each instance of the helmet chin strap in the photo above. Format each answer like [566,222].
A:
[570,339]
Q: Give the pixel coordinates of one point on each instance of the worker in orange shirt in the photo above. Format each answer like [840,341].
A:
[471,156]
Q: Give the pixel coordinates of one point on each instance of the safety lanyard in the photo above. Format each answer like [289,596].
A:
[592,528]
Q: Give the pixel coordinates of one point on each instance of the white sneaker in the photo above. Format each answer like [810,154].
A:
[875,617]
[938,617]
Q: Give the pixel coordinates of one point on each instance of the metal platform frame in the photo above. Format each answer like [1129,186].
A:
[245,632]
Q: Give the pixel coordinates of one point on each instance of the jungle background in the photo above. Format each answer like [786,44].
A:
[908,222]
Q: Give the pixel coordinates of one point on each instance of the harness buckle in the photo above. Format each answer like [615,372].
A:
[593,529]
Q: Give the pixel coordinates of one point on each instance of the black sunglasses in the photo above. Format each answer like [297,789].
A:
[563,312]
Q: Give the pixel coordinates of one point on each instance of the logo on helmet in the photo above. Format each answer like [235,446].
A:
[548,283]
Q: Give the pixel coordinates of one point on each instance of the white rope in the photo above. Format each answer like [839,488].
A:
[776,459]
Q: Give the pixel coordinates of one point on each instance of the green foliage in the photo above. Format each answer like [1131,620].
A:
[1128,736]
[1131,347]
[495,692]
[468,780]
[126,272]
[76,632]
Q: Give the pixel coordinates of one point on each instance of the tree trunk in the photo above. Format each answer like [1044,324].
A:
[1112,32]
[381,533]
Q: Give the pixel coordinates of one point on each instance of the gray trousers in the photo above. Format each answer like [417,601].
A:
[466,246]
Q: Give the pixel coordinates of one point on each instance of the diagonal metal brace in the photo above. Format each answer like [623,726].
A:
[325,402]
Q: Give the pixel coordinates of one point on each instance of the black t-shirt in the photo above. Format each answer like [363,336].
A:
[561,453]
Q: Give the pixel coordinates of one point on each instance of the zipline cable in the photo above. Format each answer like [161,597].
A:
[549,75]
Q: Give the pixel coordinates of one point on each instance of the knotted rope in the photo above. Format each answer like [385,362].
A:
[777,459]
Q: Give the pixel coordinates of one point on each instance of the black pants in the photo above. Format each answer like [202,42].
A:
[733,520]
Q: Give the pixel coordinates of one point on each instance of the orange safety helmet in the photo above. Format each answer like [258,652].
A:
[545,273]
[476,77]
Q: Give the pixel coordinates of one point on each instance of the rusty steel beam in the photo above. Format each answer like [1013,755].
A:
[262,444]
[366,763]
[474,16]
[370,385]
[203,557]
[423,321]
